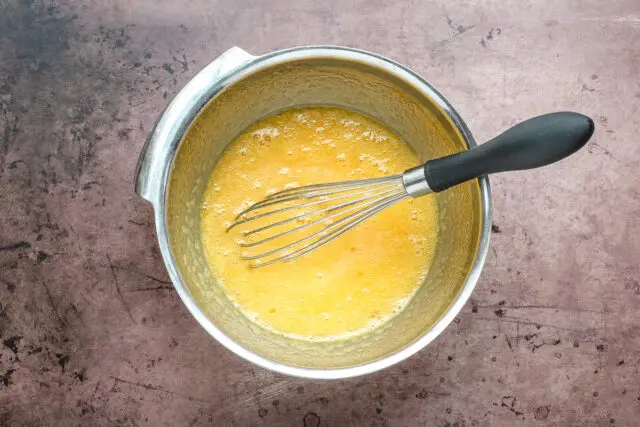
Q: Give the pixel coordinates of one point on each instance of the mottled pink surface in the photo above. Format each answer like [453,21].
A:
[93,333]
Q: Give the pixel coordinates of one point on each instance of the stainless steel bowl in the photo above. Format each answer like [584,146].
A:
[236,90]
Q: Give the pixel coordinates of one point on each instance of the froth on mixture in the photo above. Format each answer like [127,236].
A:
[353,284]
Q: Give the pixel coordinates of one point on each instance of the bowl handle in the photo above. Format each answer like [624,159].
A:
[163,140]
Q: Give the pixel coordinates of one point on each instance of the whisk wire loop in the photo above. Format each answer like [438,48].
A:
[326,211]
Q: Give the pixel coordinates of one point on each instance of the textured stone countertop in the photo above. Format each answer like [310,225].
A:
[91,330]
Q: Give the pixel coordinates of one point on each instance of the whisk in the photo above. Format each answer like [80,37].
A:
[295,222]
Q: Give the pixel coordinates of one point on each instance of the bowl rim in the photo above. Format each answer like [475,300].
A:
[389,66]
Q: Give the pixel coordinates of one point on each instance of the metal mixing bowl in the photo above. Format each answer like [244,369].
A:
[238,89]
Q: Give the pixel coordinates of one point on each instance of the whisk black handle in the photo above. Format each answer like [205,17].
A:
[536,142]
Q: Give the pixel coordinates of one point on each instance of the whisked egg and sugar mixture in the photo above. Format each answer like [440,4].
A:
[354,283]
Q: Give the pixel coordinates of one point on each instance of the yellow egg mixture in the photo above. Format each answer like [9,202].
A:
[350,285]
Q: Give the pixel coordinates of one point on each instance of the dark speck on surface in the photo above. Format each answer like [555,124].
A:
[63,359]
[323,401]
[81,375]
[14,246]
[541,413]
[12,343]
[167,67]
[5,379]
[311,419]
[422,394]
